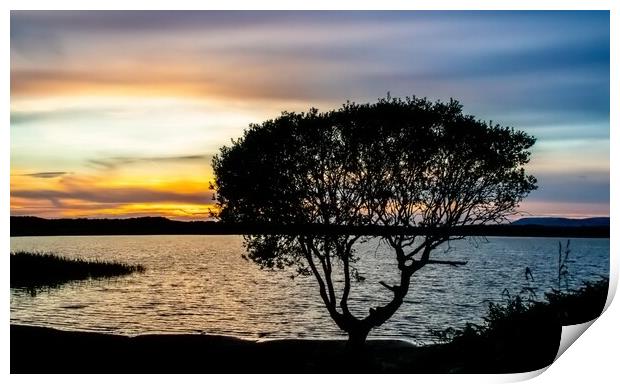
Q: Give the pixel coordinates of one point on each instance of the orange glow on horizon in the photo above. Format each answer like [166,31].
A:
[158,192]
[168,210]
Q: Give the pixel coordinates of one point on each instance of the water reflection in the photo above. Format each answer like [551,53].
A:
[201,284]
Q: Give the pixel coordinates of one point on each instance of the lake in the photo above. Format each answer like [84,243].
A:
[201,284]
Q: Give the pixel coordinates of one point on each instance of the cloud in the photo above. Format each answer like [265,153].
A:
[117,161]
[30,117]
[46,175]
[114,196]
[545,72]
[591,188]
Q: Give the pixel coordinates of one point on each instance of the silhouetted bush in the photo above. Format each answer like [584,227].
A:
[522,335]
[579,305]
[37,270]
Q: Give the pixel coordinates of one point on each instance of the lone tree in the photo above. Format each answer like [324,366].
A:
[416,169]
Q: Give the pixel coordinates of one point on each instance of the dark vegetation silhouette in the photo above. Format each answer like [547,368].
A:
[563,272]
[37,226]
[523,334]
[34,271]
[398,163]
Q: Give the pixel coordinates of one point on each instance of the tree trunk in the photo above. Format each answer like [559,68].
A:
[357,338]
[356,358]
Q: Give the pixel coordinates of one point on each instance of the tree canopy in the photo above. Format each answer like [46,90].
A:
[395,163]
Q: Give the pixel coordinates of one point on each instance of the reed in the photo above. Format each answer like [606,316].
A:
[36,269]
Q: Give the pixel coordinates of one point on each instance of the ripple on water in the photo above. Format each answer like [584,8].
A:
[201,284]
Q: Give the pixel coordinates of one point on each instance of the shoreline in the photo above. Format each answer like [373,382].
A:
[47,350]
[250,339]
[63,351]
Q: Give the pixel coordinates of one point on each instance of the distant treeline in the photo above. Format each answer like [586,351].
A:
[36,226]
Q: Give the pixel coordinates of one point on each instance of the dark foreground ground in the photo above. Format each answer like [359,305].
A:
[44,350]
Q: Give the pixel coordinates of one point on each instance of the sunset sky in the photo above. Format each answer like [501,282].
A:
[119,113]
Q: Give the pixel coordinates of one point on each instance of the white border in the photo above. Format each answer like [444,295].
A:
[317,5]
[592,357]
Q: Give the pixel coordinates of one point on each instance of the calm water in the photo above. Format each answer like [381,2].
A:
[201,284]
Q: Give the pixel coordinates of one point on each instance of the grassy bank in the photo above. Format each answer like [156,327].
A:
[516,336]
[38,270]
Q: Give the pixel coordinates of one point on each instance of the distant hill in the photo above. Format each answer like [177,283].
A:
[36,226]
[564,222]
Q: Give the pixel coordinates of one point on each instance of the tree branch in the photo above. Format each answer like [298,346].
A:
[317,275]
[390,287]
[453,263]
[344,305]
[326,266]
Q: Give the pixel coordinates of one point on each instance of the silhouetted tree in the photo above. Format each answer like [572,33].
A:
[395,163]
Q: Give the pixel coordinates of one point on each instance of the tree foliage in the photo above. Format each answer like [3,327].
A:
[395,163]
